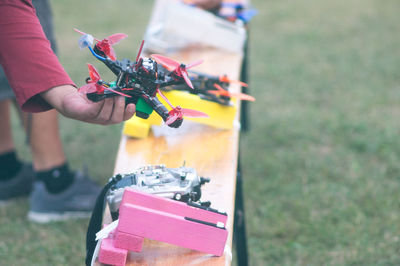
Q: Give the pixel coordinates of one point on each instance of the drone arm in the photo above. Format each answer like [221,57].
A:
[114,66]
[158,107]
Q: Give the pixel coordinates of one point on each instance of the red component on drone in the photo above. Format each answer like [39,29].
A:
[177,113]
[224,78]
[95,84]
[179,69]
[241,96]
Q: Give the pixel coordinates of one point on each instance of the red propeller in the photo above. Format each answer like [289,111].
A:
[239,95]
[95,85]
[179,112]
[225,79]
[106,44]
[179,69]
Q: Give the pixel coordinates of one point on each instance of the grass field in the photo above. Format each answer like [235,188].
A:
[321,162]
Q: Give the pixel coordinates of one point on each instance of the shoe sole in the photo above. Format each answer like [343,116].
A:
[42,218]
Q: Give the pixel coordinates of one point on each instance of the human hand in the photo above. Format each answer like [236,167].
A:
[205,4]
[69,102]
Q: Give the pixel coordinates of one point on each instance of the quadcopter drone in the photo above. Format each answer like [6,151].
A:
[139,81]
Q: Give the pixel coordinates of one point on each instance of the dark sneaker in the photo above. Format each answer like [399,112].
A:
[77,201]
[18,186]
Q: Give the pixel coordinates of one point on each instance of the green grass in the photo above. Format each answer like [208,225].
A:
[326,78]
[321,162]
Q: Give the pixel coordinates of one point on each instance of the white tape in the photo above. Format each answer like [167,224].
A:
[236,124]
[95,252]
[103,233]
[228,255]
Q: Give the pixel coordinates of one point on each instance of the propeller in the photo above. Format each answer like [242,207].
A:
[95,84]
[106,44]
[224,78]
[241,96]
[178,68]
[178,112]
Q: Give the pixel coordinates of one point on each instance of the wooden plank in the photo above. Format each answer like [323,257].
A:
[212,152]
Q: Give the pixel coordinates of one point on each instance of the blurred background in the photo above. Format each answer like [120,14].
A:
[321,160]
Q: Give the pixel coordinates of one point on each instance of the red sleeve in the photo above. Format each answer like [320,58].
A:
[29,63]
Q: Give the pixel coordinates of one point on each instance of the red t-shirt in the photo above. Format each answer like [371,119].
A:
[29,63]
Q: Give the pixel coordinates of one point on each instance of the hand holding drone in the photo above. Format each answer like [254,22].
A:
[138,81]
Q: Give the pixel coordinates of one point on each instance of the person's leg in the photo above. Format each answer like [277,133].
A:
[9,164]
[16,177]
[48,155]
[6,140]
[45,141]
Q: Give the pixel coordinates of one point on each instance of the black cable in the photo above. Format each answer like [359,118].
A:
[96,219]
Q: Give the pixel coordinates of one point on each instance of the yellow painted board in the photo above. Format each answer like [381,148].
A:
[220,116]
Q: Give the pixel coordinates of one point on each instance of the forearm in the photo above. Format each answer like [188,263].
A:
[54,96]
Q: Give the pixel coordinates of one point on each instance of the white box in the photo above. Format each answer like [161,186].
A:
[179,26]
